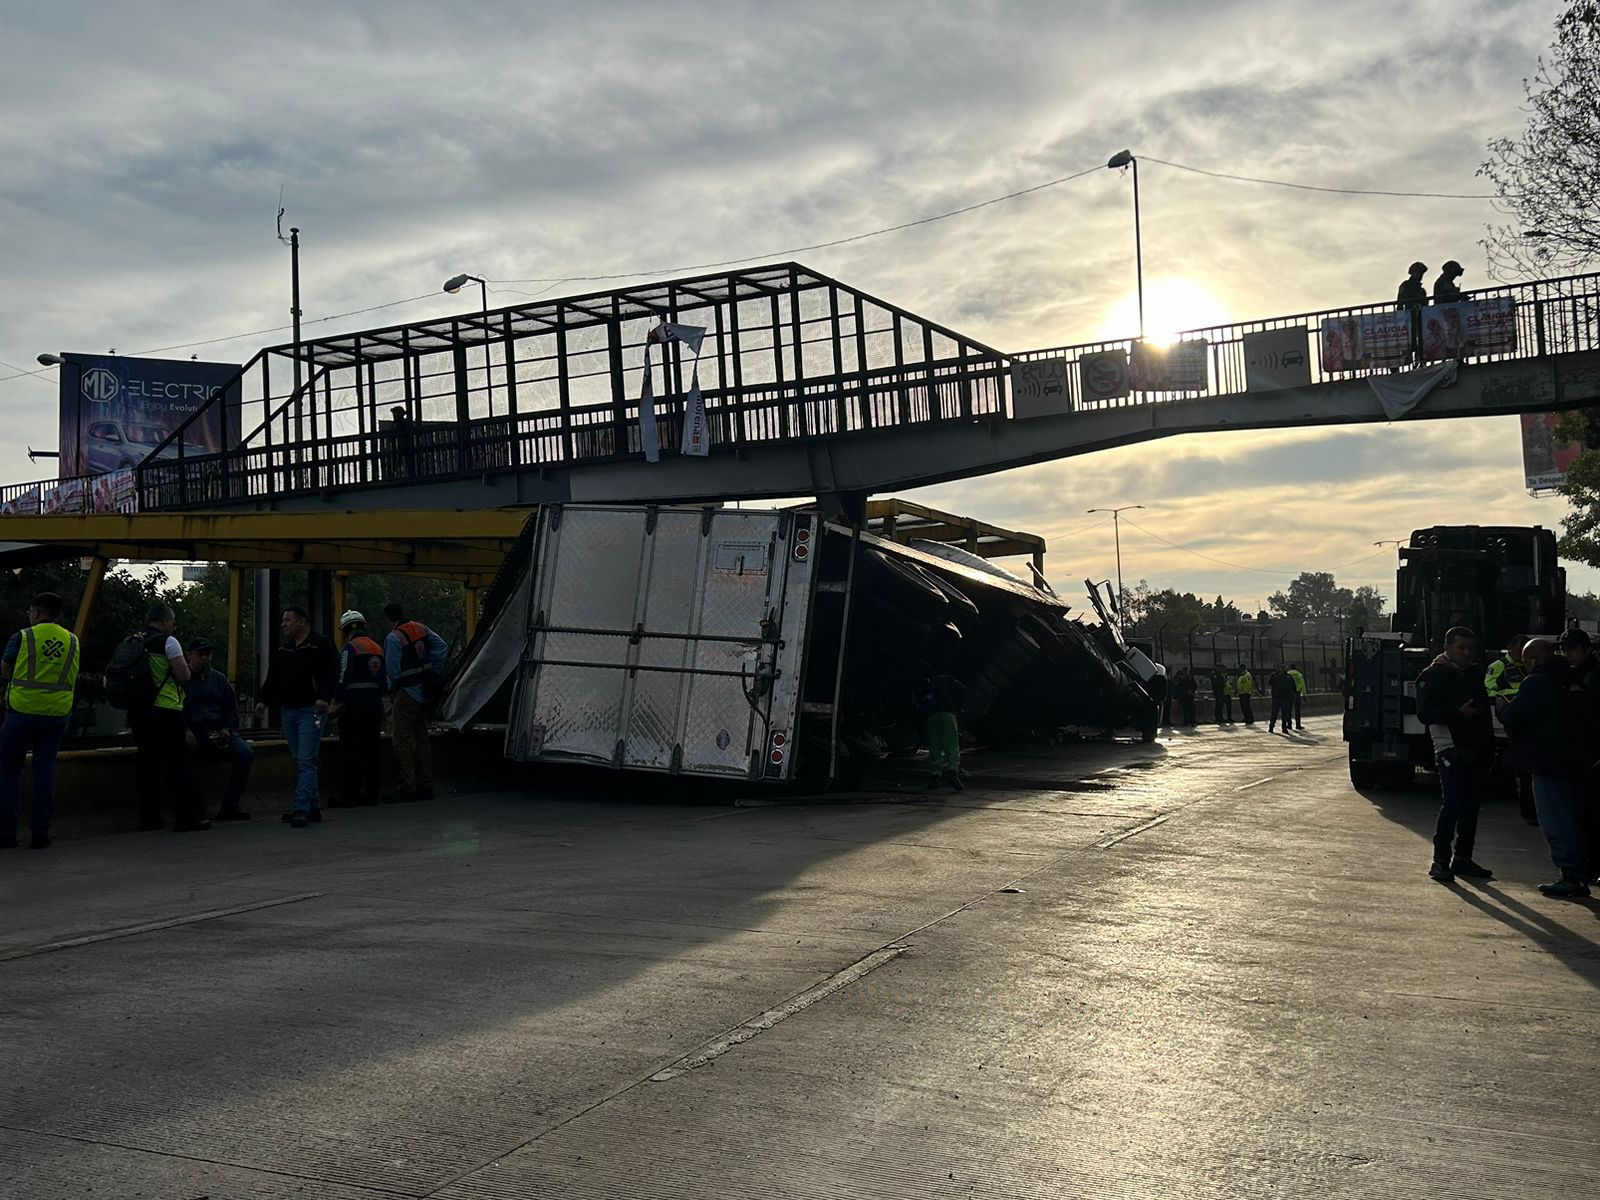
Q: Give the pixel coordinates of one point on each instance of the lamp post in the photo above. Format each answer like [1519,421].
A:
[453,285]
[56,360]
[1116,531]
[1125,158]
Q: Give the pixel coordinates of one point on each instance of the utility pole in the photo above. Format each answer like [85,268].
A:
[1116,531]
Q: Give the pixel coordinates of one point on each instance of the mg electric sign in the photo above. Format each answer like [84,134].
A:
[116,411]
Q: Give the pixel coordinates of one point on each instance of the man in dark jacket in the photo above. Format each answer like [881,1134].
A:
[1183,690]
[1575,645]
[304,671]
[358,707]
[212,711]
[1413,298]
[1221,697]
[1452,705]
[1445,288]
[1546,716]
[1280,686]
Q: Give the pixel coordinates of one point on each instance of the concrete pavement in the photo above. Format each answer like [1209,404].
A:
[1202,968]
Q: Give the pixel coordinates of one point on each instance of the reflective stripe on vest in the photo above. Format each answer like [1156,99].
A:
[45,673]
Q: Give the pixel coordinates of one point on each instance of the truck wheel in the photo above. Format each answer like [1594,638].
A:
[1397,776]
[1363,774]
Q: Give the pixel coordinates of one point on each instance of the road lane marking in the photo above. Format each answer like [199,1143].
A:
[722,1043]
[152,927]
[1128,833]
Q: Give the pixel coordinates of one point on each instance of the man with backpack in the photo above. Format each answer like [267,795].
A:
[41,670]
[358,705]
[301,679]
[146,677]
[413,658]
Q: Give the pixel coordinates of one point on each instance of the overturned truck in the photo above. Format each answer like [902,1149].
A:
[767,645]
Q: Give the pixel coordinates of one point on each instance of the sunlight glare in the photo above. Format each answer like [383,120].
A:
[1171,304]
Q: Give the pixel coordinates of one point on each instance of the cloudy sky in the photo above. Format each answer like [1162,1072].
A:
[144,145]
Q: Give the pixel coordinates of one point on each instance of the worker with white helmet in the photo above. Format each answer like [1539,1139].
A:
[358,705]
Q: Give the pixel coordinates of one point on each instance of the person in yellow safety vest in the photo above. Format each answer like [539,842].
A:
[1299,691]
[1246,687]
[41,671]
[1503,677]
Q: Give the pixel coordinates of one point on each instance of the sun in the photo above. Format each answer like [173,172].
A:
[1172,304]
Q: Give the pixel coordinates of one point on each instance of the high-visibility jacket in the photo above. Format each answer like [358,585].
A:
[45,673]
[1247,683]
[361,674]
[414,656]
[1299,682]
[1504,677]
[169,692]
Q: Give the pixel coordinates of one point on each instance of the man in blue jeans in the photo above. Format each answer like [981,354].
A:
[301,679]
[212,711]
[1546,719]
[41,670]
[1452,704]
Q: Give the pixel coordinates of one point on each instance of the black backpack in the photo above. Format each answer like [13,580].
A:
[130,683]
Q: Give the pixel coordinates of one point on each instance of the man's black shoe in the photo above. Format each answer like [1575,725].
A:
[315,816]
[1465,866]
[1565,889]
[954,780]
[232,814]
[191,827]
[1442,873]
[297,821]
[39,841]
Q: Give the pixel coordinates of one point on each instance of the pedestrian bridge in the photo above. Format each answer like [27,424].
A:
[809,387]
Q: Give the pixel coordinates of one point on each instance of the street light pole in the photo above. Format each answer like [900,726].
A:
[1125,158]
[453,285]
[1116,533]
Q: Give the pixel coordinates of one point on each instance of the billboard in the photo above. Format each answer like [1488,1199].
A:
[1545,457]
[116,411]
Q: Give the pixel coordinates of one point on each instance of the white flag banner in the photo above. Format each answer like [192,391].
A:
[1401,392]
[696,437]
[690,335]
[647,411]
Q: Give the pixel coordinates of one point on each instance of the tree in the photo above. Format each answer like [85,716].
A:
[1548,179]
[1365,609]
[1311,594]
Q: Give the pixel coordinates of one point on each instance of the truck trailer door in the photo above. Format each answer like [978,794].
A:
[663,640]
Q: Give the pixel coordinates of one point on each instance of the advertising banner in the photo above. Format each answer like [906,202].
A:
[1039,388]
[1104,375]
[1545,457]
[115,411]
[1180,367]
[24,505]
[112,492]
[1275,359]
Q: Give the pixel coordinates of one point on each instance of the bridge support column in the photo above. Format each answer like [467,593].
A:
[471,602]
[91,594]
[847,507]
[341,601]
[319,602]
[268,612]
[235,624]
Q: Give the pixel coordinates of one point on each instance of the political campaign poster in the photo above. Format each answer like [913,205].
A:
[1179,367]
[112,492]
[1103,375]
[115,411]
[1545,457]
[24,504]
[1039,388]
[1489,326]
[66,497]
[1385,339]
[1340,343]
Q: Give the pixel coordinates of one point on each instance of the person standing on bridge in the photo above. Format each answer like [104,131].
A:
[304,671]
[1245,685]
[40,667]
[1445,288]
[1299,692]
[1413,297]
[1452,705]
[413,657]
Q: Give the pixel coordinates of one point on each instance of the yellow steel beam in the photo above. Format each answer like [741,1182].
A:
[235,622]
[905,519]
[402,525]
[91,594]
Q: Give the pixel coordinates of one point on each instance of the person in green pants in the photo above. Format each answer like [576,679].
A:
[937,700]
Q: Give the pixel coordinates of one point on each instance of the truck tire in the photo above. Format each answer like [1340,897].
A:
[1396,776]
[1363,774]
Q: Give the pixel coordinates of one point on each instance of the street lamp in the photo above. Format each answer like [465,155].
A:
[1116,530]
[1125,158]
[453,285]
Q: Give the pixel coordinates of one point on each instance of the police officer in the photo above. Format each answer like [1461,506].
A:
[358,705]
[1501,681]
[1413,298]
[1299,692]
[1445,288]
[41,669]
[1246,686]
